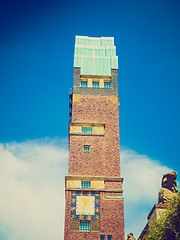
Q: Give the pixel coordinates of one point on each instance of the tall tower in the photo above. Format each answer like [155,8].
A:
[94,202]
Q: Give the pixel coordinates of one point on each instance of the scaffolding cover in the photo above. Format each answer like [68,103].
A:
[95,56]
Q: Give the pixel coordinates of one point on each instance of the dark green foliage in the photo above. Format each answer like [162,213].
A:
[167,227]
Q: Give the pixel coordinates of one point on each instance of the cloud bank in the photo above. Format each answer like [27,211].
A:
[32,189]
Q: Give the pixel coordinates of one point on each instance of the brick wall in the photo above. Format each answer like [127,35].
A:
[98,91]
[104,156]
[112,216]
[111,219]
[99,105]
[113,185]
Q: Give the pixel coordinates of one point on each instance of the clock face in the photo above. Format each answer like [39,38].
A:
[85,205]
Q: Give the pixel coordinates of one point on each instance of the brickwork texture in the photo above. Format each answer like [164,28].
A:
[96,106]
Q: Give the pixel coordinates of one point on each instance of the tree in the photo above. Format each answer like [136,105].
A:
[167,227]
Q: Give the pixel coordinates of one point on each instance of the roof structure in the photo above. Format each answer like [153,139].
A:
[95,55]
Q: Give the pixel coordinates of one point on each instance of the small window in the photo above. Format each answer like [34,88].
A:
[109,237]
[95,84]
[86,129]
[107,84]
[102,237]
[86,184]
[83,83]
[86,148]
[85,226]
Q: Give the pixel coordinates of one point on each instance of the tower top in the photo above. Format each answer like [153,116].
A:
[95,55]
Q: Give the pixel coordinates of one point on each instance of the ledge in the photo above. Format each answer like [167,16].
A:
[94,189]
[96,76]
[113,197]
[89,134]
[99,86]
[83,231]
[85,123]
[106,178]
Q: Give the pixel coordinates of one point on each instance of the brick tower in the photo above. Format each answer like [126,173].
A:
[94,202]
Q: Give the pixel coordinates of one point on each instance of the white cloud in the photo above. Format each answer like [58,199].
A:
[32,189]
[141,186]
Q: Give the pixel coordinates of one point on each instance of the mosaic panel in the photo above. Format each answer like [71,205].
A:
[84,208]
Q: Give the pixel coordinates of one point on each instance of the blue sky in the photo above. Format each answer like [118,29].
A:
[36,72]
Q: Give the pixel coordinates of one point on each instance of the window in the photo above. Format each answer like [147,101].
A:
[107,84]
[86,148]
[95,84]
[83,83]
[102,237]
[86,129]
[85,226]
[109,237]
[86,184]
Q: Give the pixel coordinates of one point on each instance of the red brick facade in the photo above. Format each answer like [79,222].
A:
[101,165]
[111,221]
[105,150]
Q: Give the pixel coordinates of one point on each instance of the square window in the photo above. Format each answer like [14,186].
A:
[109,237]
[85,226]
[86,148]
[95,84]
[86,129]
[107,84]
[86,184]
[83,83]
[102,237]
